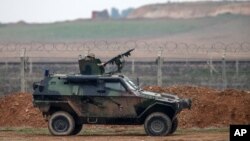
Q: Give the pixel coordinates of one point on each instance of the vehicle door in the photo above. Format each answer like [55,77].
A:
[107,98]
[118,100]
[102,98]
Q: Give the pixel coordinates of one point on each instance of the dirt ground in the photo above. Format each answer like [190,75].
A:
[209,118]
[116,135]
[210,108]
[8,136]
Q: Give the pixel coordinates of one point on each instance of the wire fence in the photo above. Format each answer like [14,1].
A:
[200,51]
[123,45]
[219,65]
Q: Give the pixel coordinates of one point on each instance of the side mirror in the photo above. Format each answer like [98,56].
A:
[139,84]
[35,85]
[46,73]
[41,87]
[138,81]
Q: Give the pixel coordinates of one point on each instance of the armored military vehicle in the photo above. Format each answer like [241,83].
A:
[67,101]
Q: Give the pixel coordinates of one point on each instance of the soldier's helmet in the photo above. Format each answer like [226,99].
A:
[91,55]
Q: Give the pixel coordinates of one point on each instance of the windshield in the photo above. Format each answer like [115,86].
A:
[131,84]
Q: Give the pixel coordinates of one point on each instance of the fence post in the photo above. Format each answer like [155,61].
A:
[159,68]
[30,67]
[22,71]
[133,67]
[224,76]
[237,67]
[6,67]
[211,71]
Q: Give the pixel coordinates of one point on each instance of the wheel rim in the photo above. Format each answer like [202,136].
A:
[60,124]
[157,126]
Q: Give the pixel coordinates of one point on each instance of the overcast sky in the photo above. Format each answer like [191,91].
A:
[59,10]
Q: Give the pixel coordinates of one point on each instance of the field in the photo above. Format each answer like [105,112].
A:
[224,28]
[113,133]
[88,29]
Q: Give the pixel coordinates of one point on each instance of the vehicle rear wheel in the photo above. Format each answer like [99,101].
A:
[78,128]
[174,126]
[61,124]
[157,124]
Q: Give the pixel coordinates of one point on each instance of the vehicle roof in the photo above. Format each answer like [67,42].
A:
[80,76]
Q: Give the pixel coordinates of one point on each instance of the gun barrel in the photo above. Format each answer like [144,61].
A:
[118,57]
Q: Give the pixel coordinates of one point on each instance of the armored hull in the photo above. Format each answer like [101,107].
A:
[102,99]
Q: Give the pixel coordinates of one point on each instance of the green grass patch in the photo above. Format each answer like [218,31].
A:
[110,29]
[93,30]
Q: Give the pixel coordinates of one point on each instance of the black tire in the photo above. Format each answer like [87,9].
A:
[174,126]
[157,124]
[78,128]
[61,124]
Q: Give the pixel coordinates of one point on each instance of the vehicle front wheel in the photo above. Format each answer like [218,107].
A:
[157,124]
[61,124]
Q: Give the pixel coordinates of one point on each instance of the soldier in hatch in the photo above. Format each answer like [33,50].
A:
[90,65]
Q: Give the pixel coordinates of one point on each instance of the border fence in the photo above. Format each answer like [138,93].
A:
[219,65]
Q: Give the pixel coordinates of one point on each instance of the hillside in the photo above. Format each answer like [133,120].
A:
[191,10]
[190,22]
[223,28]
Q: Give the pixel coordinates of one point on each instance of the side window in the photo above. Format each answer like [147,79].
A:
[88,87]
[114,88]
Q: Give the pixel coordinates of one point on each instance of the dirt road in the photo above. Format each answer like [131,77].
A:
[113,134]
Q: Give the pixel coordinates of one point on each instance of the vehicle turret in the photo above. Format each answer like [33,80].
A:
[90,65]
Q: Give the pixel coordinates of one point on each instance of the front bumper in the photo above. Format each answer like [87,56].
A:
[185,103]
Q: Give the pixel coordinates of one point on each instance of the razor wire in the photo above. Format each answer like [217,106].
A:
[148,46]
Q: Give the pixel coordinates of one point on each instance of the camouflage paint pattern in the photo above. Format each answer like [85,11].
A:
[95,97]
[100,96]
